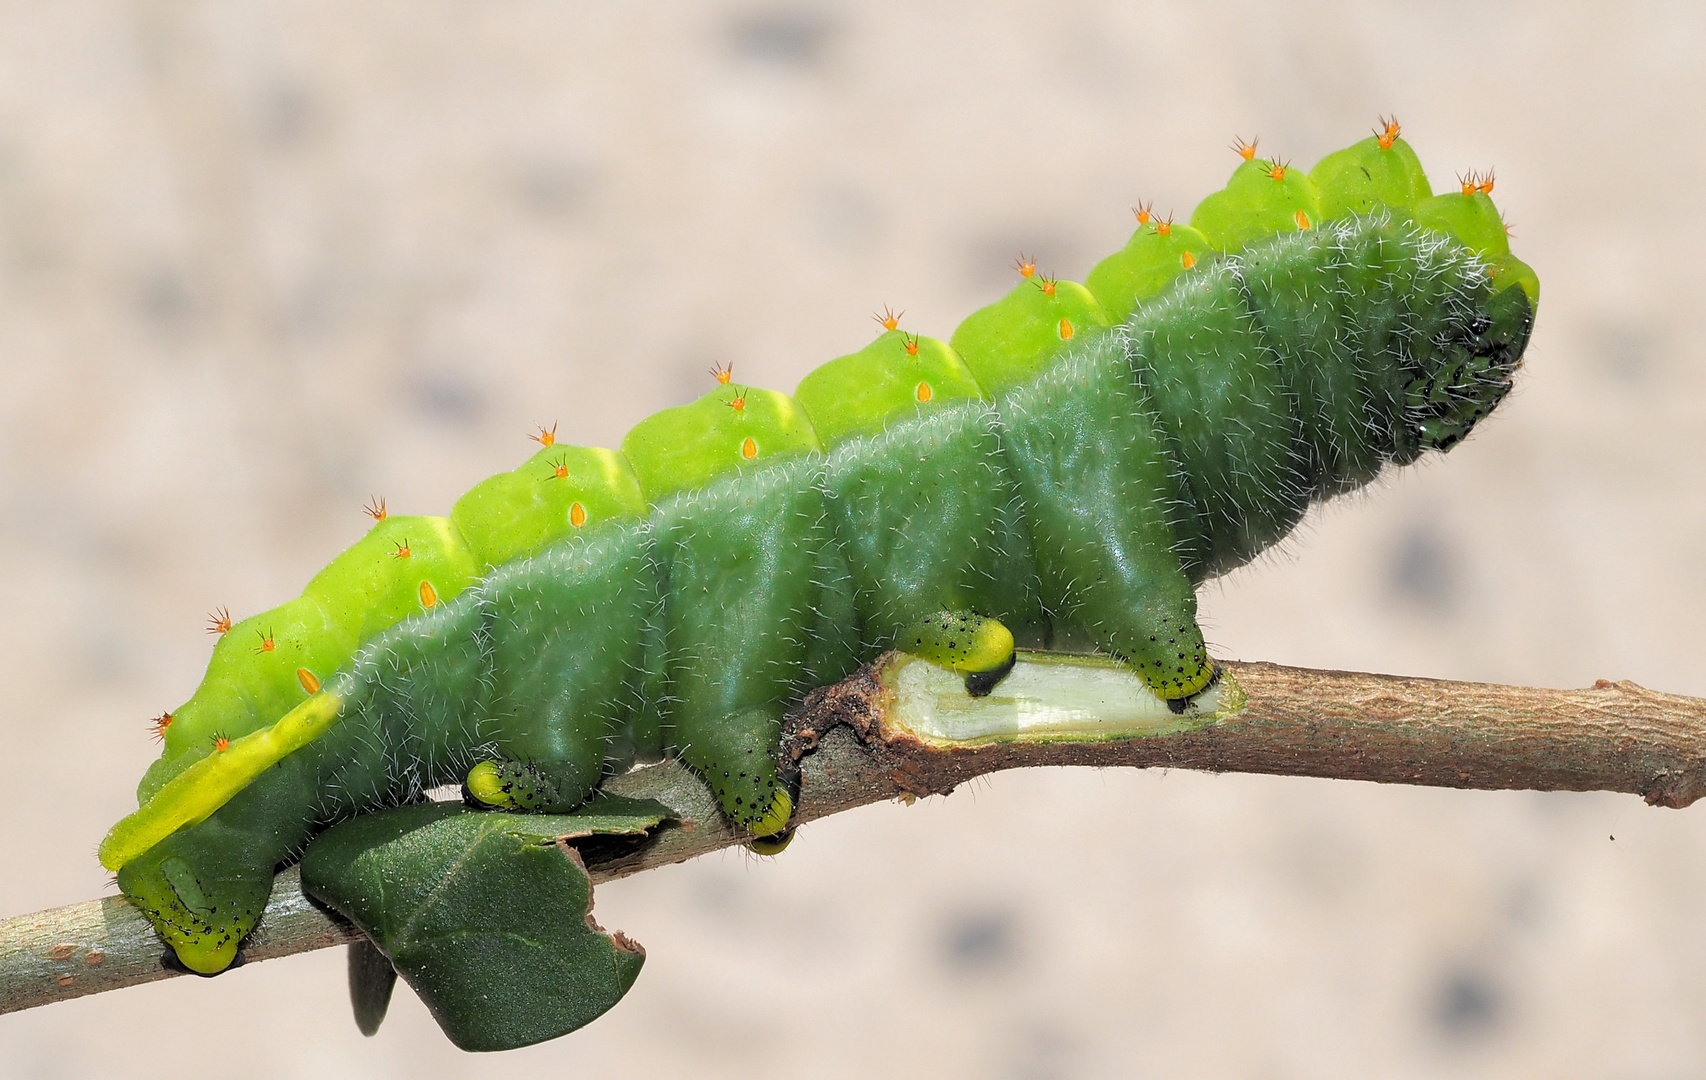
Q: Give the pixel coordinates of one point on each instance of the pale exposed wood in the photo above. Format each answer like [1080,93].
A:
[1347,725]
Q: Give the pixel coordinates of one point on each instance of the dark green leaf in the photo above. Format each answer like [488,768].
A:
[487,916]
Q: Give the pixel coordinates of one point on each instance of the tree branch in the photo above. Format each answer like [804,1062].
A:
[876,737]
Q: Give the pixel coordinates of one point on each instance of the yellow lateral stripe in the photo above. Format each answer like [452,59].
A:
[194,794]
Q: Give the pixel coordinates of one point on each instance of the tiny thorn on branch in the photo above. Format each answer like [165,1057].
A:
[866,740]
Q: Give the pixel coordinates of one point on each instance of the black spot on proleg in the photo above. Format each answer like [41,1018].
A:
[980,683]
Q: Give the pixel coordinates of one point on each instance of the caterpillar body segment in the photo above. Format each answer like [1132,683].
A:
[559,492]
[1380,171]
[1263,198]
[732,428]
[1043,477]
[557,694]
[756,555]
[1227,419]
[1304,297]
[893,377]
[931,519]
[1147,264]
[1106,504]
[1012,339]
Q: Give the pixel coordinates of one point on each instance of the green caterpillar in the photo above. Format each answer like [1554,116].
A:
[1068,467]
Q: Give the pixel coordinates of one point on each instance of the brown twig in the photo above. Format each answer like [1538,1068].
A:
[850,751]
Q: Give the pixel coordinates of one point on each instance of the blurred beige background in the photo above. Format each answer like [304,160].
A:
[261,260]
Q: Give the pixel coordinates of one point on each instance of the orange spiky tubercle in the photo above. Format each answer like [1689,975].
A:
[1386,134]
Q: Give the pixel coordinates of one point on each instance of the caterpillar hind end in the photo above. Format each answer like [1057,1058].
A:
[203,893]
